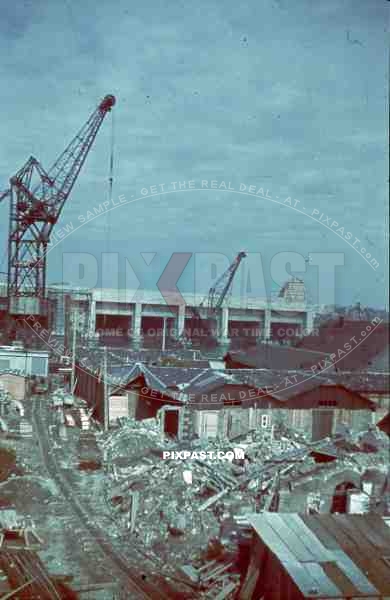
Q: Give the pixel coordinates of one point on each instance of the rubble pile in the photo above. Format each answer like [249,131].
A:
[132,440]
[181,511]
[175,507]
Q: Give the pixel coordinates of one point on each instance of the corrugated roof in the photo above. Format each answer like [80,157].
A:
[281,385]
[330,556]
[120,372]
[362,382]
[181,383]
[172,377]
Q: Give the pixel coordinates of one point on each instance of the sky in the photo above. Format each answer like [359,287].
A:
[289,97]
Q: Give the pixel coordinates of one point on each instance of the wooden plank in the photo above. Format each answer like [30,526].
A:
[309,539]
[353,573]
[216,572]
[207,566]
[270,538]
[210,501]
[18,589]
[326,586]
[279,524]
[365,550]
[316,525]
[340,579]
[369,528]
[379,525]
[357,556]
[226,591]
[342,536]
[375,569]
[359,531]
[367,556]
[255,570]
[301,577]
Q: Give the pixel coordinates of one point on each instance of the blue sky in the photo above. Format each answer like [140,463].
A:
[289,96]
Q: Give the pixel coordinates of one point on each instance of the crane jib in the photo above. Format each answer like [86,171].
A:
[36,207]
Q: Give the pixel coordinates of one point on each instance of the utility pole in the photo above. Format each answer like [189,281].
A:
[164,334]
[105,393]
[73,377]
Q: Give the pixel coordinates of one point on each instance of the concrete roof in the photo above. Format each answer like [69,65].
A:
[173,298]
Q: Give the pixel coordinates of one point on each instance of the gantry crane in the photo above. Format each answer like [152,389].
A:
[217,293]
[37,198]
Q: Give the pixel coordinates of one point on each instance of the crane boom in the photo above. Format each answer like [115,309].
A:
[37,198]
[222,287]
[216,296]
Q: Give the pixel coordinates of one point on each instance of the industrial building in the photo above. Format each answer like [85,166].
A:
[196,402]
[129,314]
[33,363]
[16,384]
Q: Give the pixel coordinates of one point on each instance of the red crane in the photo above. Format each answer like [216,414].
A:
[37,198]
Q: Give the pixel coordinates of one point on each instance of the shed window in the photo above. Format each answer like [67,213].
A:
[209,424]
[328,403]
[39,366]
[4,364]
[265,420]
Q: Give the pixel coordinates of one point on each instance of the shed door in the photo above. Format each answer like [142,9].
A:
[238,423]
[210,424]
[322,423]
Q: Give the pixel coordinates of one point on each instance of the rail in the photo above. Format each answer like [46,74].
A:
[142,589]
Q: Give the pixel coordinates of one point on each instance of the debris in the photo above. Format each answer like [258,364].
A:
[212,500]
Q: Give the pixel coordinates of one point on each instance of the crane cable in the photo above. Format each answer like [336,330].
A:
[110,177]
[3,195]
[110,188]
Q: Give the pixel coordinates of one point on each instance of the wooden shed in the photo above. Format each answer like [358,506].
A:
[15,384]
[318,557]
[209,403]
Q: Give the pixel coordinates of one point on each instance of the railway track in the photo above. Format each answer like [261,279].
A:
[131,580]
[26,572]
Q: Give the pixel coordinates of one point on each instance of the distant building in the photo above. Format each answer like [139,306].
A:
[352,345]
[15,384]
[312,404]
[194,402]
[273,356]
[66,303]
[293,291]
[33,363]
[207,403]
